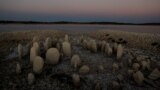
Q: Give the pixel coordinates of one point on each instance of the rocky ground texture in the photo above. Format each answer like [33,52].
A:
[59,77]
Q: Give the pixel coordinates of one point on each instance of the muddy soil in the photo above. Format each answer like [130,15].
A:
[58,77]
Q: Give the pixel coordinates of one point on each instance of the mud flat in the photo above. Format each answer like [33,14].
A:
[102,75]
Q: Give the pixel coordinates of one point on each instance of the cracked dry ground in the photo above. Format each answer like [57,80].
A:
[58,77]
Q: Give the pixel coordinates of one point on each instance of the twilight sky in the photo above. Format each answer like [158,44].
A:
[81,10]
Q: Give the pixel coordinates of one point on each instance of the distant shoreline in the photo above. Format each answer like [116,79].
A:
[68,22]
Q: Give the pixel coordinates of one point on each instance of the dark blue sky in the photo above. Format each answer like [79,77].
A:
[138,11]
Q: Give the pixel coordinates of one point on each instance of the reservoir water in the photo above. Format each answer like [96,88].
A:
[77,27]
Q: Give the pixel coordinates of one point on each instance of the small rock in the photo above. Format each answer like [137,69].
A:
[31,78]
[84,69]
[136,66]
[155,74]
[115,66]
[76,79]
[138,77]
[101,68]
[115,85]
[18,68]
[140,58]
[120,77]
[97,86]
[130,72]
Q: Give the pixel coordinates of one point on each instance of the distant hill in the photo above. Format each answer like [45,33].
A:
[69,22]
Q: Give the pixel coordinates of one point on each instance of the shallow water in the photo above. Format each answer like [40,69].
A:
[70,27]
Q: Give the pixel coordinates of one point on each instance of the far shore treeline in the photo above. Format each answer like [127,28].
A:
[70,22]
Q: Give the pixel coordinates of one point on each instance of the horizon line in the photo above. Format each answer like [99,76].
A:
[74,22]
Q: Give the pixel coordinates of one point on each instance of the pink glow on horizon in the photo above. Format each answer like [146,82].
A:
[84,7]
